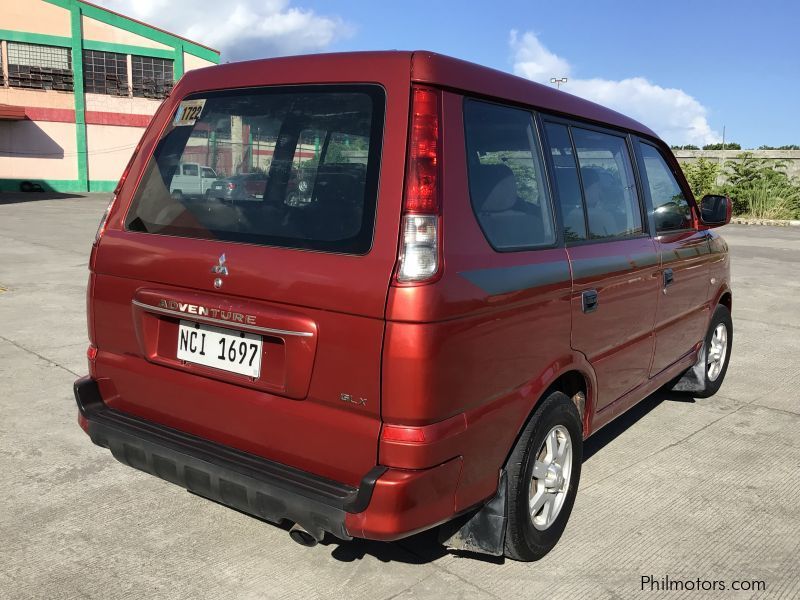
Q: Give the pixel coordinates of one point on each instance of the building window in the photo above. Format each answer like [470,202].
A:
[105,73]
[40,67]
[152,77]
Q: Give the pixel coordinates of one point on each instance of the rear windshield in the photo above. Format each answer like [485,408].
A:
[295,167]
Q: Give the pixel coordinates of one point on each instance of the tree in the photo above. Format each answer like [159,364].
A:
[725,146]
[786,147]
[747,170]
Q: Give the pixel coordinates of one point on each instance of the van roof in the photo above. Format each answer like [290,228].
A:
[424,67]
[432,68]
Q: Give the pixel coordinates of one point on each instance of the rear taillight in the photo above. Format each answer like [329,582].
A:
[101,227]
[127,170]
[419,257]
[231,186]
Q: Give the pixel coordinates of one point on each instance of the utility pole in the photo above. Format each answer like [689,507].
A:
[722,159]
[558,81]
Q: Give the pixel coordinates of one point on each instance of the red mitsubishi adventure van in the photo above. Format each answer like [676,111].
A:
[441,280]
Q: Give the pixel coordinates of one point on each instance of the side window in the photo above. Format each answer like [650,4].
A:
[671,209]
[190,170]
[209,173]
[568,187]
[506,177]
[612,205]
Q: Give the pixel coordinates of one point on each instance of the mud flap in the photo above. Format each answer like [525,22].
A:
[694,379]
[485,531]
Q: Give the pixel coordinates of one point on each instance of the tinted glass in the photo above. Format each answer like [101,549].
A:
[209,173]
[669,204]
[295,167]
[506,180]
[568,187]
[609,187]
[190,170]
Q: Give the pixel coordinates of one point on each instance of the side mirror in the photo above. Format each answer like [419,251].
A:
[715,211]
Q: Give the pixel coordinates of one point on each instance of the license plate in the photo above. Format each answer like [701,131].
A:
[225,349]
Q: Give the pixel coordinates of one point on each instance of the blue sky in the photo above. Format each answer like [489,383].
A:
[685,68]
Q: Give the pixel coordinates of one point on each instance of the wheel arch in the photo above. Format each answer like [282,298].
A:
[726,299]
[576,379]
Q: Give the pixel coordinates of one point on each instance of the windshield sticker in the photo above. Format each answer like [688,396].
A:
[188,112]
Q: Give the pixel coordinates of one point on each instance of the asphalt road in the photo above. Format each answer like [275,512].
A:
[677,488]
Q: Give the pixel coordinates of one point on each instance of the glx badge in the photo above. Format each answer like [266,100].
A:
[350,400]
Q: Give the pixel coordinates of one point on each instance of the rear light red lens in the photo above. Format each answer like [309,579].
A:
[91,355]
[395,433]
[422,174]
[231,186]
[425,434]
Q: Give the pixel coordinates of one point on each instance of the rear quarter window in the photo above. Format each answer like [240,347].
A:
[295,167]
[506,177]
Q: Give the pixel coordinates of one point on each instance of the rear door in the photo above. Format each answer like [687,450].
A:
[682,311]
[304,284]
[614,262]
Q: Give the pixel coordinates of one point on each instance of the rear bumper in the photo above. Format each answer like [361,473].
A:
[248,483]
[388,504]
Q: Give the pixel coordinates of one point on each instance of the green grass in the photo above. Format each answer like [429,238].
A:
[770,201]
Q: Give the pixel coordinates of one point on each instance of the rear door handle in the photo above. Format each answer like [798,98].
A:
[589,301]
[669,277]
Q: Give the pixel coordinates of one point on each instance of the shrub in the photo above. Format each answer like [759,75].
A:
[702,176]
[760,186]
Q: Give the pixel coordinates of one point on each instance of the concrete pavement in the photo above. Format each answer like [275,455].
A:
[706,489]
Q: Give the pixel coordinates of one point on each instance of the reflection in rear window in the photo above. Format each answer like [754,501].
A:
[292,166]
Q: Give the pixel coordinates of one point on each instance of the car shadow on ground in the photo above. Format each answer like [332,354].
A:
[20,197]
[618,426]
[425,547]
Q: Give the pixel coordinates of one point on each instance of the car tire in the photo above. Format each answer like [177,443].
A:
[717,347]
[539,506]
[177,195]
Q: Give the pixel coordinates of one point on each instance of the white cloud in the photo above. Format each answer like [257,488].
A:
[533,61]
[241,29]
[672,113]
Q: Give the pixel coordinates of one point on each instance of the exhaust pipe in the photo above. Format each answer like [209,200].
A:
[303,537]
